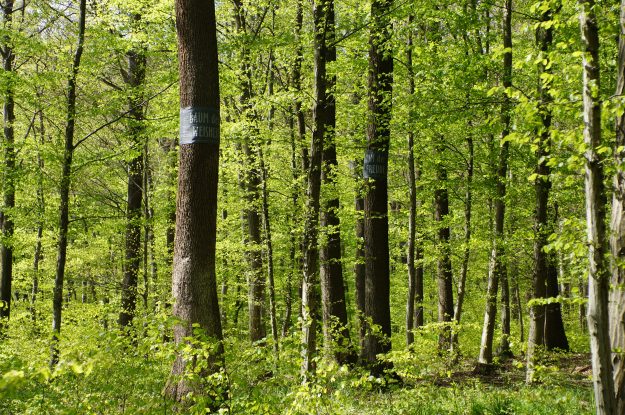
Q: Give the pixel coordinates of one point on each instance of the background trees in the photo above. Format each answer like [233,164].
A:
[315,144]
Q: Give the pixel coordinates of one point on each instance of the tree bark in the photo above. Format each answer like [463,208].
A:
[375,172]
[135,80]
[8,185]
[542,186]
[468,200]
[599,278]
[617,237]
[194,282]
[443,264]
[335,323]
[497,267]
[252,188]
[66,179]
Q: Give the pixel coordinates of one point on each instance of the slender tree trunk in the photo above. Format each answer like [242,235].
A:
[497,268]
[335,324]
[617,237]
[375,172]
[135,80]
[412,215]
[252,183]
[599,278]
[310,286]
[41,208]
[194,280]
[8,185]
[468,200]
[542,185]
[443,266]
[359,264]
[269,247]
[66,178]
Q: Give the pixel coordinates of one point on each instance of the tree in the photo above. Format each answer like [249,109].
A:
[497,267]
[134,77]
[194,282]
[8,185]
[598,277]
[617,236]
[375,171]
[66,180]
[335,322]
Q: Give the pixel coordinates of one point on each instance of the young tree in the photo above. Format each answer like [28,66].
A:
[375,171]
[194,280]
[134,77]
[8,185]
[497,267]
[66,180]
[599,276]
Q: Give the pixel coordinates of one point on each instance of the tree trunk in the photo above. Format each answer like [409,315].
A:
[412,215]
[8,185]
[542,185]
[252,189]
[497,267]
[359,263]
[598,278]
[41,210]
[375,172]
[66,178]
[443,265]
[269,247]
[310,285]
[135,80]
[194,281]
[335,324]
[617,238]
[468,200]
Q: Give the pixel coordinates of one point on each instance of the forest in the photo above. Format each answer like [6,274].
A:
[312,207]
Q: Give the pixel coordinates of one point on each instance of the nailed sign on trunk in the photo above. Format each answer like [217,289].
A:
[199,125]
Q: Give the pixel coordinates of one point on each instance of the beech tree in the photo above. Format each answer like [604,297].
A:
[194,281]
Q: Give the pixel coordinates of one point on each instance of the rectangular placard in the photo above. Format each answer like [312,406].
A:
[375,164]
[199,125]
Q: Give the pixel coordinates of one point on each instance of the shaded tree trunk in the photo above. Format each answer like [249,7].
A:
[335,323]
[66,179]
[8,185]
[443,264]
[375,172]
[599,278]
[542,186]
[464,268]
[135,79]
[194,280]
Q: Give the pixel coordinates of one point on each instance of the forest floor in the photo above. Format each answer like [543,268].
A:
[102,372]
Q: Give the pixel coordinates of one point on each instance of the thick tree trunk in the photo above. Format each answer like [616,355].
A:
[497,268]
[135,80]
[194,281]
[66,178]
[8,185]
[599,278]
[375,172]
[617,238]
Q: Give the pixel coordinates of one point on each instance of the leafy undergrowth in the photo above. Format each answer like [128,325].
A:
[103,372]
